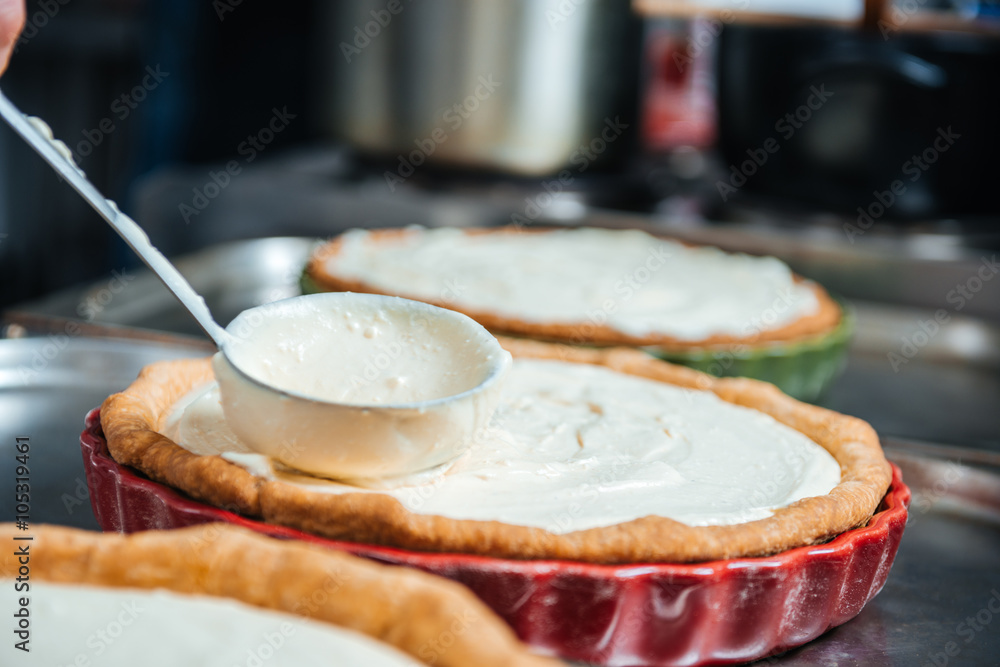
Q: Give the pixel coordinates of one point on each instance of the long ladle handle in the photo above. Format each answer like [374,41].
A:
[57,155]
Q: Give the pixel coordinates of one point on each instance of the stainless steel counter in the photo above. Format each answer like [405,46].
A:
[47,386]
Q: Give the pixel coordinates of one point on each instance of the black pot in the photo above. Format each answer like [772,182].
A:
[903,127]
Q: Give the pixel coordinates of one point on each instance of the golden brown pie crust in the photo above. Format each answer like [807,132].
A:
[402,607]
[823,321]
[132,418]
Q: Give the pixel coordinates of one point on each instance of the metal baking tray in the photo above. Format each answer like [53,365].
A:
[937,416]
[47,385]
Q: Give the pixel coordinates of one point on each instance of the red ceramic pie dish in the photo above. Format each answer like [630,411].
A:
[661,614]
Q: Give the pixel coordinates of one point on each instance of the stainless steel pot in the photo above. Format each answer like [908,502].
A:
[522,86]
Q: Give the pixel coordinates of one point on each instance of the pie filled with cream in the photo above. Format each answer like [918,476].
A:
[584,286]
[221,596]
[596,455]
[573,447]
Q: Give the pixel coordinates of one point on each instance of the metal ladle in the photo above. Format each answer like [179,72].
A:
[340,440]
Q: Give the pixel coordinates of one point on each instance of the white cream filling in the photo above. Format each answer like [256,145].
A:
[116,627]
[358,349]
[573,447]
[629,280]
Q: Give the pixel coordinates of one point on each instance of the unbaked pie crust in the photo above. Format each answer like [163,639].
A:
[133,420]
[825,320]
[404,608]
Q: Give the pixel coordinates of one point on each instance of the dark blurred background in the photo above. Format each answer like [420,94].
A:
[217,78]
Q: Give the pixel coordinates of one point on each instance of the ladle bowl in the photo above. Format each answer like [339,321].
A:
[359,440]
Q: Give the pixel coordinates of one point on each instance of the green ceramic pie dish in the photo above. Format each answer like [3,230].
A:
[803,369]
[308,285]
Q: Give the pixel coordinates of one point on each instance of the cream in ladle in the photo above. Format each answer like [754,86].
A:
[338,384]
[358,385]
